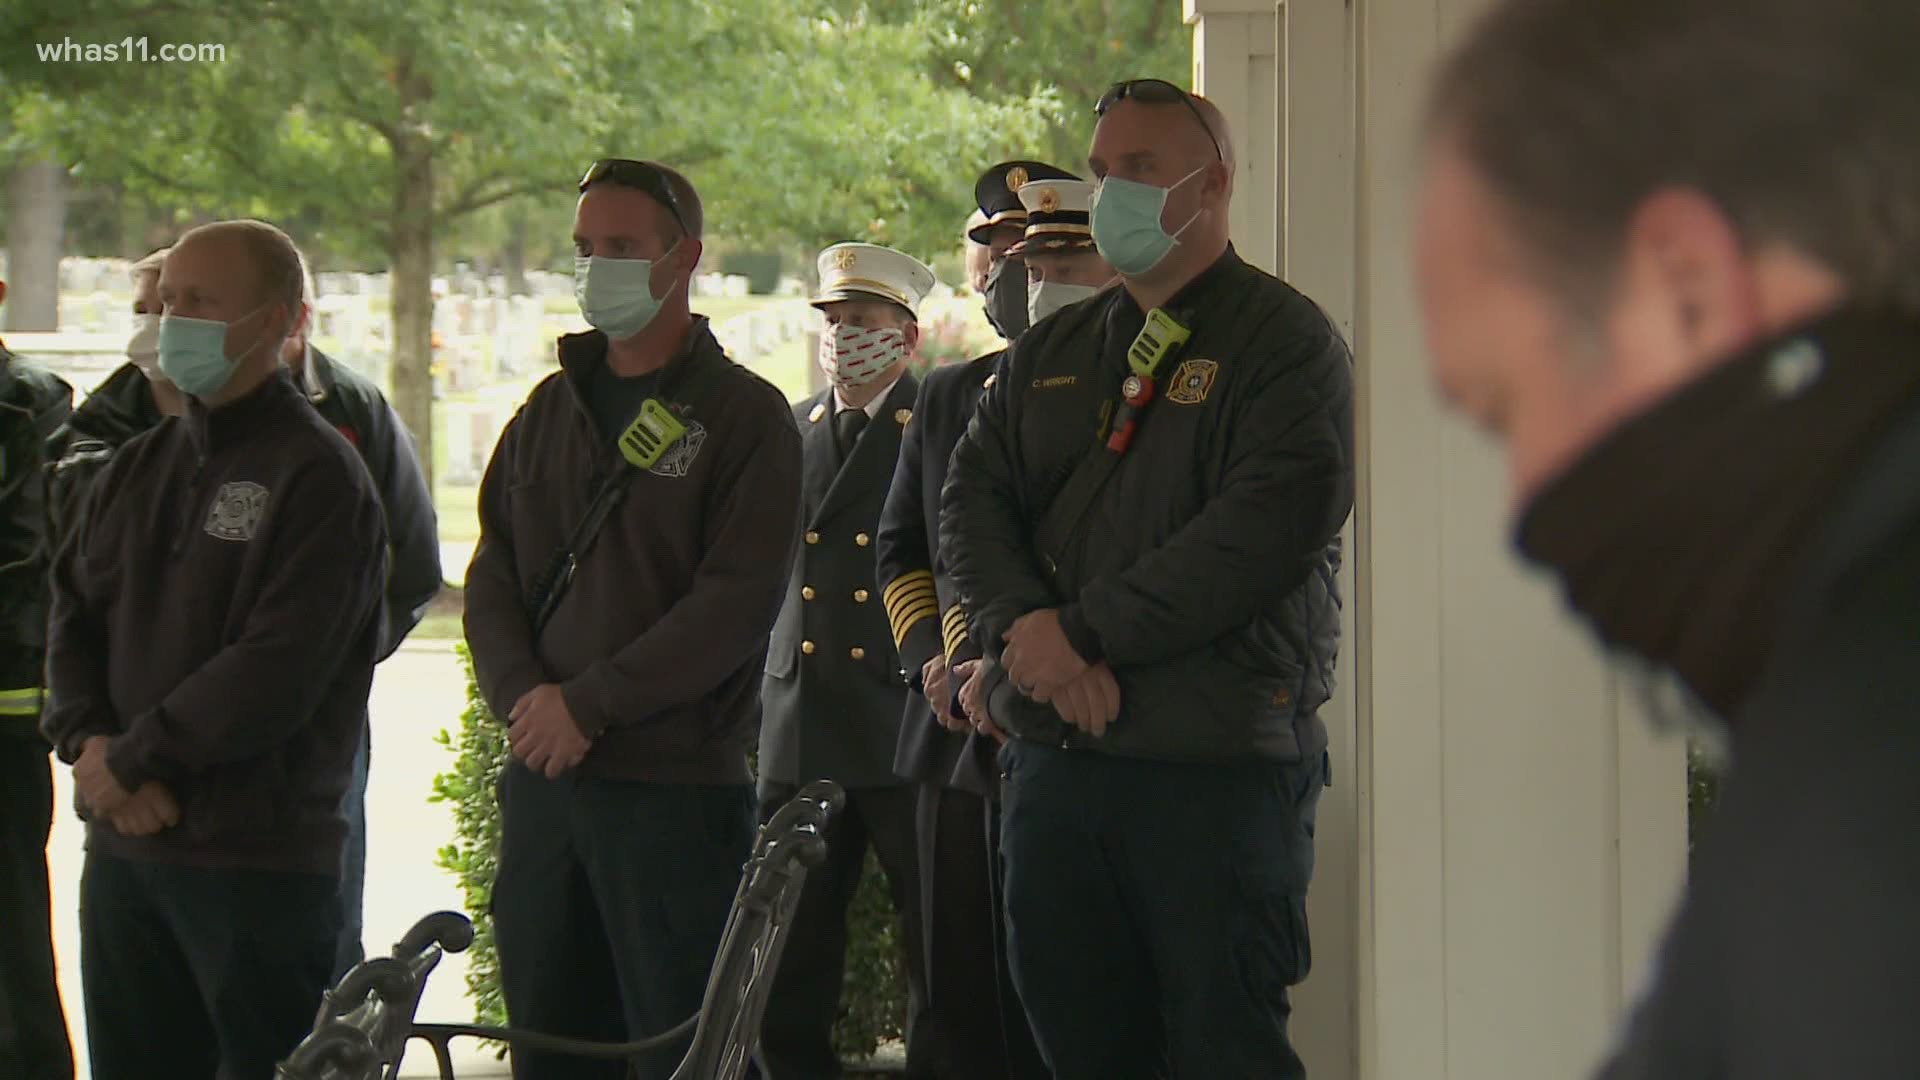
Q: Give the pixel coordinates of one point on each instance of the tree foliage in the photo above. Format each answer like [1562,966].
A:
[1075,49]
[371,128]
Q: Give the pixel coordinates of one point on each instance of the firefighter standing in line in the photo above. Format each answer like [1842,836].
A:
[833,693]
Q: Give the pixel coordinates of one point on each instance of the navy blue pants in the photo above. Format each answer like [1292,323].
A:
[608,909]
[1157,911]
[190,972]
[33,1026]
[353,869]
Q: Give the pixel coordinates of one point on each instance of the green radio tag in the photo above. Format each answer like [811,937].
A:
[1160,336]
[650,435]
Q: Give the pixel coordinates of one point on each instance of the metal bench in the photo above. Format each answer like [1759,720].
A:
[366,1022]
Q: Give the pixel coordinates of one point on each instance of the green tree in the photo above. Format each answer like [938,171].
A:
[378,127]
[1006,50]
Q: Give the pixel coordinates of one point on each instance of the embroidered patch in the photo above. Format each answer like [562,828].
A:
[678,458]
[1055,382]
[1192,381]
[237,509]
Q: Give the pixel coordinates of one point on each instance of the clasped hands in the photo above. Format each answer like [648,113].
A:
[542,732]
[131,813]
[1045,667]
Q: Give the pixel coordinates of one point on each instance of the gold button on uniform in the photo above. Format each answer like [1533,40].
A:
[806,592]
[807,647]
[861,539]
[857,653]
[860,596]
[813,537]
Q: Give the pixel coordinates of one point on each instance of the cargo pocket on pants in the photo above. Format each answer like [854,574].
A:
[1271,937]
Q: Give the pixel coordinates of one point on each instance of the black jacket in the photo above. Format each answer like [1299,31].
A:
[834,693]
[33,403]
[122,407]
[358,410]
[923,604]
[659,643]
[116,411]
[1795,953]
[1203,572]
[218,618]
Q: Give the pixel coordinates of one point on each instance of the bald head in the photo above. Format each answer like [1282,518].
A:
[246,274]
[1171,145]
[1216,122]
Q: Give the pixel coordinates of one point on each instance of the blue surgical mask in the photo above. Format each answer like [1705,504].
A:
[1046,297]
[616,295]
[1126,223]
[193,352]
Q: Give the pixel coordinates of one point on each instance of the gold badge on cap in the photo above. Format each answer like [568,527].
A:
[1016,178]
[844,259]
[1049,201]
[902,416]
[819,411]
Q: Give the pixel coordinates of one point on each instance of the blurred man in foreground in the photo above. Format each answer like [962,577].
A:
[1670,255]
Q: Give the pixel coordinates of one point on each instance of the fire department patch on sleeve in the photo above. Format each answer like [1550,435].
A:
[678,458]
[1192,382]
[237,509]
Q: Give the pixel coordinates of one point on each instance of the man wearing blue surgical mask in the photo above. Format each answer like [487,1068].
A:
[216,619]
[1143,522]
[637,525]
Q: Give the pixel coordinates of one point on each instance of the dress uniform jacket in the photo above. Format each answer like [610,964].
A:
[833,695]
[922,602]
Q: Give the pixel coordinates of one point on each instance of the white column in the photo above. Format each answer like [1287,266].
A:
[1236,65]
[1504,835]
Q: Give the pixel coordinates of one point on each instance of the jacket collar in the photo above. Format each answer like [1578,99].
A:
[1196,291]
[318,380]
[117,409]
[216,429]
[583,353]
[1684,536]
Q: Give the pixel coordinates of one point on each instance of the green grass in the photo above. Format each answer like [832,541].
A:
[786,368]
[459,510]
[722,308]
[439,626]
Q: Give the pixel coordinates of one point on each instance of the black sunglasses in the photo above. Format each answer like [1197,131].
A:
[1156,92]
[640,176]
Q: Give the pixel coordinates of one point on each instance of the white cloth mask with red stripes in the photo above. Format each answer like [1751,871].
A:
[855,356]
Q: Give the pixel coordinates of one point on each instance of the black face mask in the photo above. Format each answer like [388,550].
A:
[1007,297]
[1683,535]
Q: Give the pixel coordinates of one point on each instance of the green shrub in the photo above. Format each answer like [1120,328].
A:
[760,268]
[872,1009]
[480,750]
[873,1004]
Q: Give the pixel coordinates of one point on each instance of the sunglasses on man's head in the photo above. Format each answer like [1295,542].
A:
[1156,92]
[640,176]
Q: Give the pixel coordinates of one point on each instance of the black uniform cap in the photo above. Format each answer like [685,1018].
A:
[997,193]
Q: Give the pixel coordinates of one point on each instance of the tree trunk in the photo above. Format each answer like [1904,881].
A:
[513,258]
[411,292]
[36,238]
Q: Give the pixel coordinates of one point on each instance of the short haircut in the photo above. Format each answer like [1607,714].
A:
[692,214]
[150,263]
[283,272]
[1797,119]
